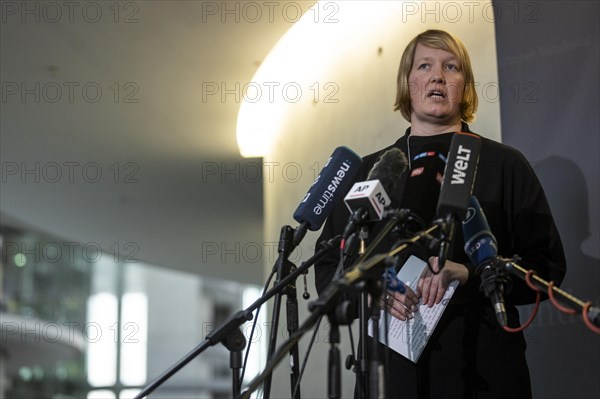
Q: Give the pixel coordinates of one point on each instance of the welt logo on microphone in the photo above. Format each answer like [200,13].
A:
[461,164]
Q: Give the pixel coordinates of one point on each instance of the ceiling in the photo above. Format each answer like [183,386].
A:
[118,125]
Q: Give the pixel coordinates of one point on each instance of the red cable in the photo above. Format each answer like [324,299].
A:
[584,311]
[531,317]
[555,303]
[586,318]
[535,309]
[529,283]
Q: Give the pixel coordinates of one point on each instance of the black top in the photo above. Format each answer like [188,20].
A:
[474,355]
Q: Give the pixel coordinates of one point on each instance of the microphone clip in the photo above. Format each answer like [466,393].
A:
[494,276]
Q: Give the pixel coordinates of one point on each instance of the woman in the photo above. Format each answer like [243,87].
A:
[468,355]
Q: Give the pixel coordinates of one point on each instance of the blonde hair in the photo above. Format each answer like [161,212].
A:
[437,39]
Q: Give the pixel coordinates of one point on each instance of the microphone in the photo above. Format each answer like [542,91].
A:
[482,249]
[390,169]
[327,190]
[457,186]
[368,200]
[459,174]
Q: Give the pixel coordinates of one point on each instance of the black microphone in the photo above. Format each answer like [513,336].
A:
[391,169]
[327,190]
[367,200]
[482,249]
[457,186]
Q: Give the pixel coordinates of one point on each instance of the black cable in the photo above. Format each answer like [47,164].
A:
[386,353]
[351,336]
[305,361]
[254,327]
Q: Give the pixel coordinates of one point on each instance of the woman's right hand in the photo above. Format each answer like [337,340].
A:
[400,306]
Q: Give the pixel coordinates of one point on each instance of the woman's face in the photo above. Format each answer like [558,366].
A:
[436,83]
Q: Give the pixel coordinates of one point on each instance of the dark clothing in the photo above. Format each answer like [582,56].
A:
[469,355]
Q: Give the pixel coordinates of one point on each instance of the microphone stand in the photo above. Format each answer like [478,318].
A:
[283,268]
[368,369]
[590,313]
[363,271]
[229,333]
[334,389]
[363,322]
[324,305]
[376,381]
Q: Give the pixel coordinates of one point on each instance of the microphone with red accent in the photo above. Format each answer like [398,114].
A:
[457,186]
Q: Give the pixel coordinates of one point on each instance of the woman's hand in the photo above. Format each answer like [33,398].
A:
[400,306]
[432,287]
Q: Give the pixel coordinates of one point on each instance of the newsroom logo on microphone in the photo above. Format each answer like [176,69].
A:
[328,194]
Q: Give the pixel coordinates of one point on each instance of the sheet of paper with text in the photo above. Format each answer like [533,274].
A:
[409,337]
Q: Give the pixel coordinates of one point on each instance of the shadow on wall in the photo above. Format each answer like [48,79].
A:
[555,335]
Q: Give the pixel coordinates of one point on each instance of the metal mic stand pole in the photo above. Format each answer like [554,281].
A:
[364,380]
[229,335]
[291,308]
[580,307]
[283,268]
[363,311]
[334,390]
[376,382]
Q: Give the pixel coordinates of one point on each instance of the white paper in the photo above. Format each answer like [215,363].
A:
[409,337]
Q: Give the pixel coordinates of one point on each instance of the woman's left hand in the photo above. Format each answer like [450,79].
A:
[432,287]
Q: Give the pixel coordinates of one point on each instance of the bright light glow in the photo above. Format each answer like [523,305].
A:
[99,333]
[101,394]
[292,72]
[134,338]
[20,260]
[128,393]
[258,349]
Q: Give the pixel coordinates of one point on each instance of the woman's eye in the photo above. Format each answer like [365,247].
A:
[423,66]
[452,67]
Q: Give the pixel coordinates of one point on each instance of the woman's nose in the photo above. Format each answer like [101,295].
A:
[437,75]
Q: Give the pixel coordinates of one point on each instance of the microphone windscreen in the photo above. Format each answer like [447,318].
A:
[329,188]
[459,175]
[390,170]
